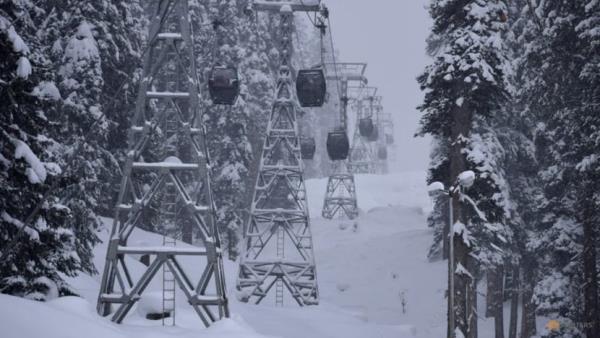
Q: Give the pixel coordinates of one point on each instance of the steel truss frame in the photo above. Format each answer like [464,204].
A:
[158,104]
[279,216]
[340,195]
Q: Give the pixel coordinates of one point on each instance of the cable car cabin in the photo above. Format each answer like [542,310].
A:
[374,136]
[311,87]
[338,145]
[223,85]
[366,127]
[389,139]
[382,153]
[308,147]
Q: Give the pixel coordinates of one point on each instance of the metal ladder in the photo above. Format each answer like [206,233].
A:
[280,254]
[169,214]
[169,220]
[168,289]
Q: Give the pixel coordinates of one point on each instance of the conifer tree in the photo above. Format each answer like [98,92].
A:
[465,88]
[36,248]
[92,48]
[228,36]
[555,55]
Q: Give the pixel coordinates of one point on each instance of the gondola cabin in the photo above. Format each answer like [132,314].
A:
[223,85]
[389,139]
[338,145]
[311,87]
[382,153]
[366,127]
[308,147]
[374,135]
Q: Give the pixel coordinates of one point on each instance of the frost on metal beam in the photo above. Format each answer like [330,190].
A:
[277,254]
[350,71]
[167,101]
[296,6]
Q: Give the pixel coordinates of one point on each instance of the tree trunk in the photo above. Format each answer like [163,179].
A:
[514,302]
[528,325]
[489,295]
[590,271]
[498,302]
[450,333]
[445,232]
[462,286]
[460,131]
[495,299]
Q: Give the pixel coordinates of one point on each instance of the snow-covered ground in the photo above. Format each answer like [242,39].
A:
[374,280]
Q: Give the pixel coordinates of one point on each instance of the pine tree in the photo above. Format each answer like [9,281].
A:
[438,219]
[465,88]
[229,144]
[523,165]
[229,37]
[585,157]
[258,85]
[92,47]
[36,251]
[555,90]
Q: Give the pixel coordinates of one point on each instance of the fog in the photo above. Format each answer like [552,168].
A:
[390,36]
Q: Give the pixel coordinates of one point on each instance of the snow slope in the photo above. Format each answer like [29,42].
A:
[374,280]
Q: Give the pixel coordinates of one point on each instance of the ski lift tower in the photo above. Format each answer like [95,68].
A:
[167,103]
[340,195]
[362,157]
[277,248]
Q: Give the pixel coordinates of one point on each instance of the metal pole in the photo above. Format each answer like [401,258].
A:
[451,265]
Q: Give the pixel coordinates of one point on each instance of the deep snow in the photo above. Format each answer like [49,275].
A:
[374,281]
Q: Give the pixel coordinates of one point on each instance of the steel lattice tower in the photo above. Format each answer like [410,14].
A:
[362,157]
[340,194]
[167,100]
[277,247]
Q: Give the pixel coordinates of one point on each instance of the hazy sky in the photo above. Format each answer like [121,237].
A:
[390,36]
